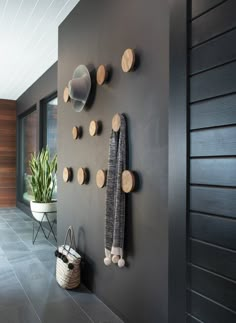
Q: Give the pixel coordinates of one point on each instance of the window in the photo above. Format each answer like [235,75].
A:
[48,127]
[35,133]
[51,125]
[28,145]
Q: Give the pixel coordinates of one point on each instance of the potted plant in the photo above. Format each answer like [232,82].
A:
[43,182]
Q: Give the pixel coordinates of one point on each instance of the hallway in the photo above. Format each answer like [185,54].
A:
[29,292]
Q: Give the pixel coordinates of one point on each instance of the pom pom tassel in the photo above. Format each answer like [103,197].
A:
[121,263]
[115,259]
[107,261]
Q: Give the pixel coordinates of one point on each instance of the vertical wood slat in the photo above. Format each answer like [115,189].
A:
[7,153]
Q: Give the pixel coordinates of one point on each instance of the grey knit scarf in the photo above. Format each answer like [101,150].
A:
[115,197]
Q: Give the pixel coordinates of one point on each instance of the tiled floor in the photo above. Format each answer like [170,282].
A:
[29,292]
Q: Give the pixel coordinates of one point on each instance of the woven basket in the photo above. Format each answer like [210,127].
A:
[68,263]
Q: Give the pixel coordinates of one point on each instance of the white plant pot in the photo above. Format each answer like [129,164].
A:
[39,209]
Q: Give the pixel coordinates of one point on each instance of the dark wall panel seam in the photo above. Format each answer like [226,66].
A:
[212,244]
[212,156]
[211,300]
[212,273]
[212,67]
[214,97]
[211,38]
[212,127]
[213,214]
[208,10]
[212,186]
[193,317]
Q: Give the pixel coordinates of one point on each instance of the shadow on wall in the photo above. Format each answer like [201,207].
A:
[87,265]
[93,90]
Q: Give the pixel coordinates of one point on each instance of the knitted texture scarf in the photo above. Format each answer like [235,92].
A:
[115,197]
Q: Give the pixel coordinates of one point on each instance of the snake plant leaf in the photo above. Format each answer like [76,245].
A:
[43,180]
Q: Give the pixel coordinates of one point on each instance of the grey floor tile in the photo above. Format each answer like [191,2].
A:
[18,314]
[12,216]
[97,310]
[37,282]
[28,287]
[7,211]
[23,228]
[26,236]
[2,254]
[28,219]
[8,235]
[9,220]
[4,225]
[61,312]
[15,251]
[39,244]
[11,292]
[20,225]
[52,241]
[45,255]
[4,261]
[50,266]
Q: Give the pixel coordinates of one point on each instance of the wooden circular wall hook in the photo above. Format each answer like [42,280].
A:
[67,174]
[127,181]
[116,122]
[76,132]
[93,128]
[101,178]
[82,176]
[102,74]
[128,60]
[66,95]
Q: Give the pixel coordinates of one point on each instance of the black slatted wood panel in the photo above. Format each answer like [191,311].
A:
[213,23]
[219,201]
[191,319]
[216,230]
[208,171]
[213,258]
[199,7]
[203,56]
[214,82]
[211,294]
[208,310]
[214,112]
[214,286]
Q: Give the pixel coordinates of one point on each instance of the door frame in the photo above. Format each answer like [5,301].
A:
[178,160]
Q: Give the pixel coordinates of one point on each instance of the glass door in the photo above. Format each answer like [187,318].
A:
[28,126]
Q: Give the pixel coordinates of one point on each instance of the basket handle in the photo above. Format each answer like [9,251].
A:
[71,236]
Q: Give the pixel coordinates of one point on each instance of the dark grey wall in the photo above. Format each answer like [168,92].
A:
[45,86]
[97,32]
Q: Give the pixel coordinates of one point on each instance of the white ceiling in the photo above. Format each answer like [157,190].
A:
[28,41]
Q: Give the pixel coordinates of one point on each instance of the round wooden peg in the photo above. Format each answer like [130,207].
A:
[102,74]
[82,175]
[67,174]
[101,178]
[76,132]
[127,181]
[66,95]
[128,60]
[93,128]
[116,122]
